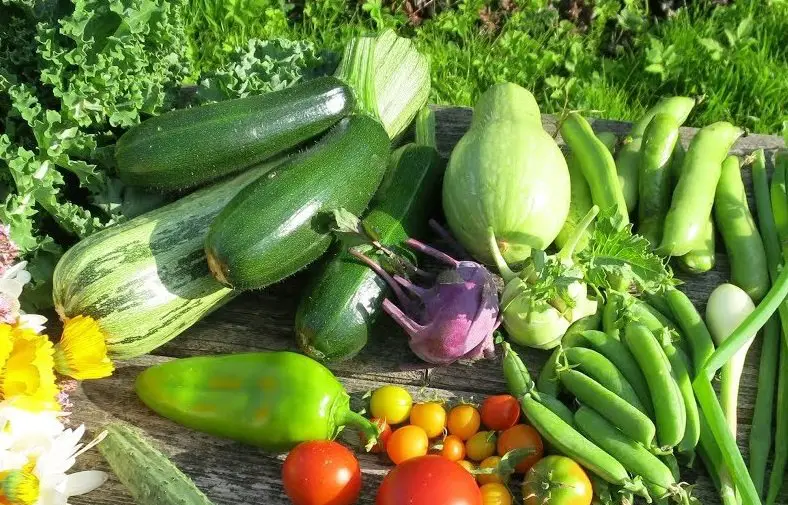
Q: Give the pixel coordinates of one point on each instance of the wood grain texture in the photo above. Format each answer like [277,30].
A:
[233,474]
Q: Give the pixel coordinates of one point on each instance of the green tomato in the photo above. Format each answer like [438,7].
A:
[557,480]
[391,403]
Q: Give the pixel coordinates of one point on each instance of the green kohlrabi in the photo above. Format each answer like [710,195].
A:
[540,301]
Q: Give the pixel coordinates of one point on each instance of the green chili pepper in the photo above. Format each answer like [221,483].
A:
[274,400]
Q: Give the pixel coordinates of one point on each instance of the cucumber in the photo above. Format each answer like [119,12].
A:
[150,477]
[280,223]
[189,147]
[147,280]
[336,313]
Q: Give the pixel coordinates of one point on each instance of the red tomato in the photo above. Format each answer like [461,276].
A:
[321,473]
[559,481]
[521,436]
[429,480]
[500,412]
[383,438]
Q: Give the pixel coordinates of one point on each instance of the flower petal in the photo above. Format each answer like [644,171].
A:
[84,482]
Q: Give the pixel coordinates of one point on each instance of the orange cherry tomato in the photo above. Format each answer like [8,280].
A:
[500,412]
[480,446]
[453,448]
[406,443]
[490,478]
[521,436]
[430,416]
[383,438]
[464,421]
[495,494]
[558,480]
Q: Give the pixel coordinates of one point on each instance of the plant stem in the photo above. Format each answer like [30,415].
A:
[500,263]
[568,250]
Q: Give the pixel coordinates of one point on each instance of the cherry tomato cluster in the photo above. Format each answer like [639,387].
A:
[446,457]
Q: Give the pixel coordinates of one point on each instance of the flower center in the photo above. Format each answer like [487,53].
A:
[19,487]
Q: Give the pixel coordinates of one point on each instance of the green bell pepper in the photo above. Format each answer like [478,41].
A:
[274,400]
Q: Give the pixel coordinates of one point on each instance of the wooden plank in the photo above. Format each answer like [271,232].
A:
[231,473]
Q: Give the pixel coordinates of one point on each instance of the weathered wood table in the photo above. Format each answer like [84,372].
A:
[234,474]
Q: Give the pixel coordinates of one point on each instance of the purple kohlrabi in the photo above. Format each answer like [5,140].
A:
[455,318]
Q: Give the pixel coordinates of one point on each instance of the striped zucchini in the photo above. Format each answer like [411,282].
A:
[147,280]
[150,477]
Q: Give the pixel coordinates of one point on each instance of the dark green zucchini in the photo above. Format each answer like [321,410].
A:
[336,313]
[280,223]
[188,147]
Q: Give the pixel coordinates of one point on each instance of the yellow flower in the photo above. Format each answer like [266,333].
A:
[29,376]
[82,350]
[6,343]
[19,487]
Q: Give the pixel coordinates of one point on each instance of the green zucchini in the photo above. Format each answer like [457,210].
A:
[150,477]
[189,147]
[336,313]
[147,280]
[280,223]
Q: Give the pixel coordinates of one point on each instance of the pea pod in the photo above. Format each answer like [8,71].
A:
[669,408]
[694,194]
[560,434]
[548,382]
[632,422]
[602,370]
[274,400]
[557,407]
[739,232]
[617,352]
[693,326]
[659,142]
[633,456]
[597,165]
[580,201]
[628,159]
[702,256]
[675,163]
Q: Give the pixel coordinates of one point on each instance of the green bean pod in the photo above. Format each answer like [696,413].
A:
[780,200]
[548,382]
[632,422]
[659,141]
[760,439]
[632,455]
[580,201]
[596,164]
[620,356]
[669,407]
[569,441]
[628,159]
[693,326]
[602,370]
[702,257]
[777,478]
[675,163]
[680,368]
[739,233]
[693,197]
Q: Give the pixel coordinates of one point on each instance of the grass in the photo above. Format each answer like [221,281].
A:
[613,57]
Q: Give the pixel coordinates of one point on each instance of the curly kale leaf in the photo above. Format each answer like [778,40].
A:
[263,66]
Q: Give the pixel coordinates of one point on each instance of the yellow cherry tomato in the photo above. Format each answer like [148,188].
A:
[430,416]
[464,421]
[481,445]
[467,465]
[495,494]
[491,478]
[391,403]
[406,443]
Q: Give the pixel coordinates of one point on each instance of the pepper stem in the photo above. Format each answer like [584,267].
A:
[568,250]
[361,423]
